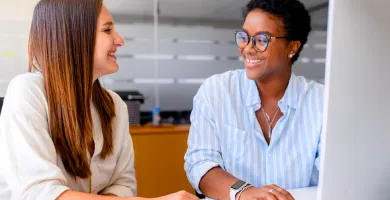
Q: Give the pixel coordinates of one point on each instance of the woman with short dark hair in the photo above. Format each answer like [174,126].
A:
[256,132]
[62,135]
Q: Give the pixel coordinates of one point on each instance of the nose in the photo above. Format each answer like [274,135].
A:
[250,48]
[118,40]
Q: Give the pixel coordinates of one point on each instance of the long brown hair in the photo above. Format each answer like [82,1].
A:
[62,43]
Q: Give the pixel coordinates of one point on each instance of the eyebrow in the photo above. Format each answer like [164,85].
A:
[110,23]
[257,32]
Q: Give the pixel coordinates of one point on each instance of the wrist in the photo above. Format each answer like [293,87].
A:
[236,188]
[245,189]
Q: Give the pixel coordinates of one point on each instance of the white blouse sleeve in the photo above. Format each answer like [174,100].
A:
[123,182]
[28,151]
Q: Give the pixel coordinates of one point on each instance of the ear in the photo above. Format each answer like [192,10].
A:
[294,47]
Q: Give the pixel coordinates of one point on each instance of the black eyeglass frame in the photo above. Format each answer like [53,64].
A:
[267,35]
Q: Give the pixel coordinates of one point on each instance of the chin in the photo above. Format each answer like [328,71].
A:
[114,67]
[253,75]
[111,70]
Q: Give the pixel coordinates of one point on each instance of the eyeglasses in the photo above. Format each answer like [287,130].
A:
[260,41]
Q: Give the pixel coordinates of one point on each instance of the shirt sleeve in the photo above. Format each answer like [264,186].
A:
[124,182]
[203,151]
[29,154]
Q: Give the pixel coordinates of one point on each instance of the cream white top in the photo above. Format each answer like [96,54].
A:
[30,167]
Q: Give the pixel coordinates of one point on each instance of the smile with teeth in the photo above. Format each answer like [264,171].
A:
[254,61]
[111,54]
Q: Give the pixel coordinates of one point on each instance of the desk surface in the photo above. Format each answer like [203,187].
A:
[304,193]
[149,136]
[159,153]
[148,129]
[301,194]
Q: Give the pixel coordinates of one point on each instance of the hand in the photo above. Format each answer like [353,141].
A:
[182,195]
[112,195]
[263,193]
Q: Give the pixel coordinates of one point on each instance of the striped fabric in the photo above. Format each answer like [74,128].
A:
[224,132]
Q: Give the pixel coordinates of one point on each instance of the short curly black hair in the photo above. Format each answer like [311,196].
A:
[296,19]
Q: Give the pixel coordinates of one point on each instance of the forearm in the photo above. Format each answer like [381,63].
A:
[73,195]
[216,184]
[111,195]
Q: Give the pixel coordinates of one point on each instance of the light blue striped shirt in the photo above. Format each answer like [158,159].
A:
[225,132]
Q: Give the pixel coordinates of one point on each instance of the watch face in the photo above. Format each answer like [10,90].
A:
[238,185]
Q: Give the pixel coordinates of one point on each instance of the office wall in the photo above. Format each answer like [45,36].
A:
[15,17]
[188,55]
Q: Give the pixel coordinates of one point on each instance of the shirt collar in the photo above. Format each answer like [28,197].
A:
[289,99]
[291,95]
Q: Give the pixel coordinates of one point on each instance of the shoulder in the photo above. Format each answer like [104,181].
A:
[120,105]
[26,99]
[310,87]
[25,94]
[226,78]
[116,98]
[222,83]
[26,82]
[120,123]
[311,96]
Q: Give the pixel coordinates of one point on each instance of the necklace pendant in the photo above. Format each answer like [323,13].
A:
[269,131]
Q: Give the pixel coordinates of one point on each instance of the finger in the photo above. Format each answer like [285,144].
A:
[266,189]
[285,193]
[281,192]
[192,197]
[270,196]
[278,195]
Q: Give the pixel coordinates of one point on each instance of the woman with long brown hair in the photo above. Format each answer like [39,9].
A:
[63,135]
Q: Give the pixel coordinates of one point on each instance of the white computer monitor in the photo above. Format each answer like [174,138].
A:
[355,162]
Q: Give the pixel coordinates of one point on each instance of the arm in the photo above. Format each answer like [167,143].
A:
[124,183]
[84,196]
[216,183]
[30,159]
[29,154]
[203,160]
[204,163]
[182,195]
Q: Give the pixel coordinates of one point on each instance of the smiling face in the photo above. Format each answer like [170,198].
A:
[263,65]
[107,43]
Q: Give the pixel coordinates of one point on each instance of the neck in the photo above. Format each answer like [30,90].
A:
[94,78]
[274,87]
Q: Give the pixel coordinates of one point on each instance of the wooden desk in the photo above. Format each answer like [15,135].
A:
[159,160]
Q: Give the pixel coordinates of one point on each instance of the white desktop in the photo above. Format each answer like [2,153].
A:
[304,193]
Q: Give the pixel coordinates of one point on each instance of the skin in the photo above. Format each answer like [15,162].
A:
[107,43]
[105,62]
[271,70]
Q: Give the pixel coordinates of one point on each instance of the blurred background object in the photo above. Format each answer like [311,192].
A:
[133,100]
